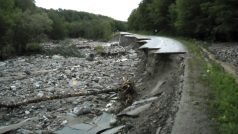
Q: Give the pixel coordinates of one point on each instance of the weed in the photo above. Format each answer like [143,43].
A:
[99,49]
[34,48]
[64,50]
[225,98]
[223,89]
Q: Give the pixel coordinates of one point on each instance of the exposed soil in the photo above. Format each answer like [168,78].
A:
[166,83]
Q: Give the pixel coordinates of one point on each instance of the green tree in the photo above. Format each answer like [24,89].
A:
[58,27]
[151,15]
[25,4]
[160,13]
[75,30]
[133,23]
[6,19]
[28,28]
[191,20]
[225,15]
[6,23]
[97,30]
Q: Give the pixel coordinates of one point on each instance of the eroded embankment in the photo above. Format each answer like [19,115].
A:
[163,79]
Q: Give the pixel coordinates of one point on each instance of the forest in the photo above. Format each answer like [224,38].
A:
[23,26]
[214,20]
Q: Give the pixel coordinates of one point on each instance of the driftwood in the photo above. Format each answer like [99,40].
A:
[125,90]
[46,98]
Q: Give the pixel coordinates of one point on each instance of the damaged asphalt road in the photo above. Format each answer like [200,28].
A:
[158,83]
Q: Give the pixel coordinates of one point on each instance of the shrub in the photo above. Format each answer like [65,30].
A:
[34,48]
[64,50]
[6,52]
[99,49]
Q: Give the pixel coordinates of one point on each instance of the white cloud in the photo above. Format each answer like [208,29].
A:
[118,9]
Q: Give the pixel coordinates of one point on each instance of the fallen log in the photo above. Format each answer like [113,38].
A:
[46,98]
[124,90]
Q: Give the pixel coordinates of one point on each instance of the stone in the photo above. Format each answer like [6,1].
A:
[81,110]
[24,131]
[14,88]
[97,86]
[27,72]
[73,83]
[158,130]
[113,120]
[64,122]
[40,94]
[96,79]
[50,89]
[75,102]
[133,56]
[2,64]
[37,85]
[57,57]
[90,57]
[113,130]
[67,72]
[27,112]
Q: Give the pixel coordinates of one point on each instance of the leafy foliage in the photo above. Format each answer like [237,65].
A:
[202,19]
[100,49]
[22,25]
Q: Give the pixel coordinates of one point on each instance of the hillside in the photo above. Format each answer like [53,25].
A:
[23,26]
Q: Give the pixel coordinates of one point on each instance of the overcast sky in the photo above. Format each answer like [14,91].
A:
[117,9]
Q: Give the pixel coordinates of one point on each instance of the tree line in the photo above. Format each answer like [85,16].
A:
[215,20]
[23,25]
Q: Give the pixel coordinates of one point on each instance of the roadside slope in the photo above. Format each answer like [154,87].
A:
[192,116]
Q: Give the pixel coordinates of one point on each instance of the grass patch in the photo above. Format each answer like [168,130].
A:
[225,99]
[99,49]
[65,49]
[34,48]
[222,86]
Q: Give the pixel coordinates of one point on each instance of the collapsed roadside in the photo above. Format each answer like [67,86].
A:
[158,83]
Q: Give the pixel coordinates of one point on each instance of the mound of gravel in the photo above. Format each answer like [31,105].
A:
[226,53]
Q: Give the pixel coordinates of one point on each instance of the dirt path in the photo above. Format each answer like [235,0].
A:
[192,116]
[229,68]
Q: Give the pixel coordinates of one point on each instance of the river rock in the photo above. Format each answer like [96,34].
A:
[79,110]
[57,57]
[90,57]
[14,88]
[40,94]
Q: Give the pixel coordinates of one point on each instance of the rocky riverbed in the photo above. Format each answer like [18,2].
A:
[83,66]
[27,77]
